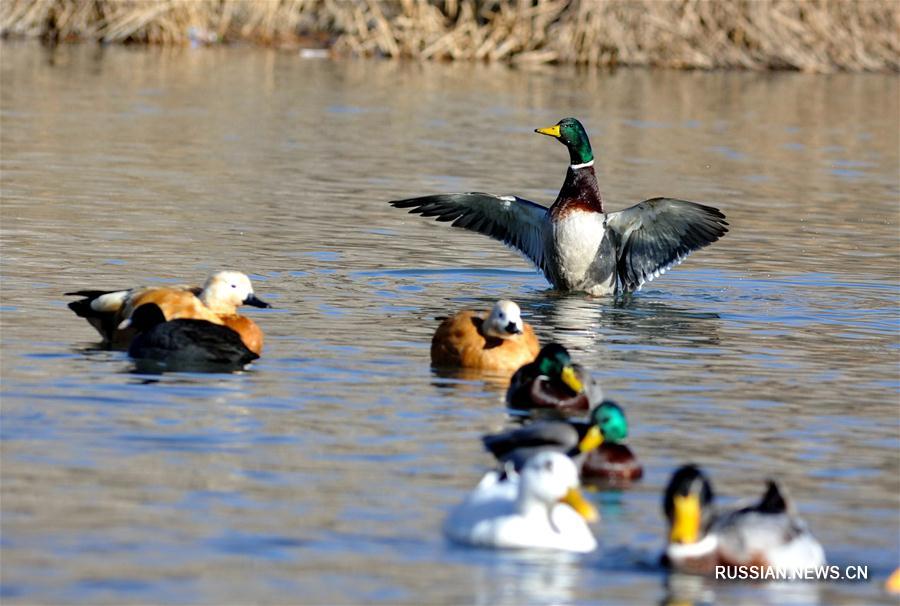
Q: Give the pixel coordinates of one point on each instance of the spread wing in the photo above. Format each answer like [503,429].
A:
[659,233]
[514,221]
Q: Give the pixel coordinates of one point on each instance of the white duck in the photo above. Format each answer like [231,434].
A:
[539,508]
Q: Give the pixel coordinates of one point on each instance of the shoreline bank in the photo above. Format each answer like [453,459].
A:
[818,36]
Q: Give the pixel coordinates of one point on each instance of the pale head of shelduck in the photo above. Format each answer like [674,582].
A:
[225,291]
[504,321]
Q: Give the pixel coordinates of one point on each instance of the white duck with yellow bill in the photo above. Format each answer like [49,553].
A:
[540,507]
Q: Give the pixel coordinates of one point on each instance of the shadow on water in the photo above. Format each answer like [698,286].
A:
[143,366]
[452,378]
[685,589]
[584,323]
[106,352]
[523,577]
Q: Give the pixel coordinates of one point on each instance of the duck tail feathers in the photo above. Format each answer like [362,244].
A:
[773,501]
[110,302]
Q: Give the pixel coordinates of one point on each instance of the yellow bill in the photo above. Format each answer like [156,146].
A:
[571,379]
[591,440]
[893,582]
[686,523]
[552,131]
[576,501]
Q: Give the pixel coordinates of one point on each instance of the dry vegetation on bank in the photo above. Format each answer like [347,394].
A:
[807,35]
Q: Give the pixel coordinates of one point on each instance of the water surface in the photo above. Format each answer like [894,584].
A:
[322,475]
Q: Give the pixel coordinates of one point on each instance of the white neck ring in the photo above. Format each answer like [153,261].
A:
[585,165]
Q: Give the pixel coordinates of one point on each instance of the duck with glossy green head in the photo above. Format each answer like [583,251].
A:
[611,462]
[553,384]
[576,243]
[765,534]
[582,440]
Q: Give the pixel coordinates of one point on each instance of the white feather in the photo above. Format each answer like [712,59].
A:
[111,301]
[516,513]
[575,240]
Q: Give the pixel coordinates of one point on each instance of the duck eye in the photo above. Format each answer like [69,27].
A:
[548,465]
[502,315]
[234,286]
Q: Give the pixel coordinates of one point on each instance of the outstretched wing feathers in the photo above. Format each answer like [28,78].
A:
[650,237]
[514,221]
[659,233]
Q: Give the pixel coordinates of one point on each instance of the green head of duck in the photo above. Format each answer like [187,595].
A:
[610,418]
[608,424]
[554,362]
[571,133]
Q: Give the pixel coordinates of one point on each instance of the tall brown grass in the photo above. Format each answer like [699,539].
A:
[807,35]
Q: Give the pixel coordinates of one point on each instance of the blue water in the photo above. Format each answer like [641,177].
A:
[323,473]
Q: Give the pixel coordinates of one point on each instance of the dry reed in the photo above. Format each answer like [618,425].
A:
[807,35]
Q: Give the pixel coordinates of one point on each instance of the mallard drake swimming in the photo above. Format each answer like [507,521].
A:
[541,507]
[572,437]
[552,383]
[576,243]
[186,344]
[498,340]
[216,301]
[763,534]
[583,441]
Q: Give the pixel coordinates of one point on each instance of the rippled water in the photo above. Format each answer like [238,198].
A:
[322,475]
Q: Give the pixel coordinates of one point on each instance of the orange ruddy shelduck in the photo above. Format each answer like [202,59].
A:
[500,341]
[216,302]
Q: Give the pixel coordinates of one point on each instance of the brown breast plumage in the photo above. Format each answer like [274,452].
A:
[459,341]
[251,334]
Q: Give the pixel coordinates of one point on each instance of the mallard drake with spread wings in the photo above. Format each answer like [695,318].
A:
[576,243]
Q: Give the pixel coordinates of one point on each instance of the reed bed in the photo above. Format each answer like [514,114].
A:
[806,35]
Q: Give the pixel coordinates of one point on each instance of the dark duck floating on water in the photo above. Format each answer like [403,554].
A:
[576,243]
[552,384]
[185,345]
[594,444]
